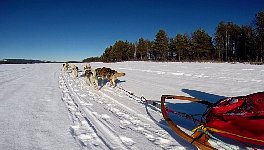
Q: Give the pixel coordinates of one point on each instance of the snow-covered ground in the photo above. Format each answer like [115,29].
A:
[43,107]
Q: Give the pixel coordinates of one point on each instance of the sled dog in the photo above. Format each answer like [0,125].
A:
[109,74]
[75,70]
[91,77]
[65,66]
[87,67]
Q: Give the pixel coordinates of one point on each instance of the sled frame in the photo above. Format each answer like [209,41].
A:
[200,140]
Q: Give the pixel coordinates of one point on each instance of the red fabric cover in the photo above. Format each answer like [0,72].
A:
[243,115]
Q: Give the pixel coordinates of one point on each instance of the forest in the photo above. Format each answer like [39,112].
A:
[231,43]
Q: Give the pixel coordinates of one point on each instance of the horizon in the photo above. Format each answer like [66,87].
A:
[72,31]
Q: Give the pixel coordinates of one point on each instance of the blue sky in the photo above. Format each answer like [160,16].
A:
[62,30]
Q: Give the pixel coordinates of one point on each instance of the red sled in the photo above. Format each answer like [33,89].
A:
[240,118]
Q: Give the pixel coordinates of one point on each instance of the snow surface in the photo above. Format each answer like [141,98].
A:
[43,107]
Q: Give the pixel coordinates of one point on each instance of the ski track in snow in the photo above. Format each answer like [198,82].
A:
[110,126]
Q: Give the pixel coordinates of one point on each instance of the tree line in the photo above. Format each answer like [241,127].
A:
[22,61]
[231,43]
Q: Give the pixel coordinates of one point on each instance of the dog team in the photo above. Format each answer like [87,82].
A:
[93,75]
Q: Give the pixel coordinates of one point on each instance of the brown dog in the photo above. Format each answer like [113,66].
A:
[107,73]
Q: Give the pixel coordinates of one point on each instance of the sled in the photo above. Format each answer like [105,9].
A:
[240,118]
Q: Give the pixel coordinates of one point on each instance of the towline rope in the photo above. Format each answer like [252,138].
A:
[157,104]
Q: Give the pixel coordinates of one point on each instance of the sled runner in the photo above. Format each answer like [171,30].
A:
[240,118]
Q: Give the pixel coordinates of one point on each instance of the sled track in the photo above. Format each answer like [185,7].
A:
[101,121]
[83,129]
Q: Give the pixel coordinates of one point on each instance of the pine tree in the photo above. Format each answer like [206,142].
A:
[107,55]
[182,46]
[247,44]
[142,49]
[259,23]
[220,41]
[202,45]
[227,40]
[161,45]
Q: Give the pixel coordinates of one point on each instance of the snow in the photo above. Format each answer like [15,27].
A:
[43,107]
